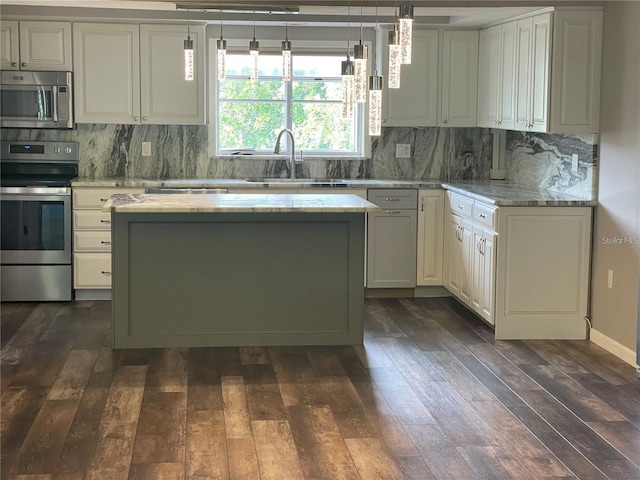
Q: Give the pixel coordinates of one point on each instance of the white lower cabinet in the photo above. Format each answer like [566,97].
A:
[430,237]
[523,269]
[92,240]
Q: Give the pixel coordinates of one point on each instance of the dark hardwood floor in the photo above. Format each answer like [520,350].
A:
[430,395]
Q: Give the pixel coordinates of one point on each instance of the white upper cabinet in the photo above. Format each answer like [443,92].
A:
[575,84]
[497,76]
[459,78]
[166,96]
[36,46]
[130,74]
[415,103]
[107,76]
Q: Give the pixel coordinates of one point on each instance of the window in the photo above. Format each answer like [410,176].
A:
[250,114]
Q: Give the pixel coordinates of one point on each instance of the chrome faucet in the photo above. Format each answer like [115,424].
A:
[292,158]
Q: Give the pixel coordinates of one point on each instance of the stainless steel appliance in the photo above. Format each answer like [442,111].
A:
[35,209]
[36,99]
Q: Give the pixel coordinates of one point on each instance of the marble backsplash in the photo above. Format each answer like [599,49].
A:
[544,161]
[532,159]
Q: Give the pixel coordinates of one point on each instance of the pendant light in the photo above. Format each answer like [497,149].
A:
[394,57]
[375,98]
[254,51]
[348,75]
[286,53]
[222,54]
[188,53]
[406,31]
[360,54]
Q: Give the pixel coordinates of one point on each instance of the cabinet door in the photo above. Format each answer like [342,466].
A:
[466,260]
[541,64]
[391,258]
[459,78]
[415,103]
[489,76]
[483,274]
[575,89]
[45,46]
[451,259]
[524,49]
[107,73]
[9,45]
[430,237]
[167,98]
[508,71]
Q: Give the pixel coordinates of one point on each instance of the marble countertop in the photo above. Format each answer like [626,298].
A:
[239,203]
[498,193]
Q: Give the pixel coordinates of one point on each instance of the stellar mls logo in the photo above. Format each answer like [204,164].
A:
[620,241]
[18,77]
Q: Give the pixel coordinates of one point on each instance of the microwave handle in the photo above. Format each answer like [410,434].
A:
[54,103]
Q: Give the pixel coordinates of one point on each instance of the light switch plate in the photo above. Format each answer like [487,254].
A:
[146,149]
[403,150]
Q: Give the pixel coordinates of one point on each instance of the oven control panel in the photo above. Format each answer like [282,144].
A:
[39,151]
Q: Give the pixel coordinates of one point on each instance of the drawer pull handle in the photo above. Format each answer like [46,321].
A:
[104,272]
[104,199]
[393,212]
[460,207]
[392,199]
[105,221]
[482,215]
[103,242]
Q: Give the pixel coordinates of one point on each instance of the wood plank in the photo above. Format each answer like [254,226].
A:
[204,382]
[20,407]
[15,315]
[78,445]
[292,365]
[276,450]
[372,459]
[556,356]
[593,362]
[254,356]
[44,442]
[409,360]
[154,471]
[74,375]
[324,361]
[377,320]
[105,367]
[206,448]
[301,394]
[112,454]
[168,371]
[320,446]
[160,436]
[243,459]
[414,468]
[265,402]
[42,363]
[624,436]
[236,410]
[495,463]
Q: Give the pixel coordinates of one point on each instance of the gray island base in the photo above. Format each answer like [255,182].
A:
[233,270]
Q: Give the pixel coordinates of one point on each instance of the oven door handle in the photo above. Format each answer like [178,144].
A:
[50,191]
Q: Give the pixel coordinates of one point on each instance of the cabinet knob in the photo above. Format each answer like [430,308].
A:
[13,64]
[104,242]
[422,203]
[105,221]
[444,121]
[104,272]
[135,118]
[144,118]
[482,215]
[23,64]
[393,212]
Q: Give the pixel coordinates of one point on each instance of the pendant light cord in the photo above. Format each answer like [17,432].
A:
[220,24]
[254,25]
[188,24]
[286,31]
[348,27]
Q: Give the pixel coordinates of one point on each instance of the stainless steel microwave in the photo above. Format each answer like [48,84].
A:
[36,100]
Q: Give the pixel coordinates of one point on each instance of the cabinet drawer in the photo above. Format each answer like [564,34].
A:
[96,197]
[485,215]
[91,220]
[92,241]
[393,199]
[460,205]
[92,270]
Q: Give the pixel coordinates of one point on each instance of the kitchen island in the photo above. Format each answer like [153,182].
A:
[237,269]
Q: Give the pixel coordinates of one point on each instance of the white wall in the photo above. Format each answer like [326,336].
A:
[614,311]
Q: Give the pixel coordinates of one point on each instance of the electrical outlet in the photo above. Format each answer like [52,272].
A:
[610,279]
[146,149]
[403,150]
[574,162]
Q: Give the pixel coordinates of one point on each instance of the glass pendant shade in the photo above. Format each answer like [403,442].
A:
[375,105]
[348,80]
[222,59]
[406,32]
[286,60]
[394,58]
[360,56]
[254,52]
[188,59]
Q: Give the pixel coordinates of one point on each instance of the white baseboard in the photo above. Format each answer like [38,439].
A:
[611,346]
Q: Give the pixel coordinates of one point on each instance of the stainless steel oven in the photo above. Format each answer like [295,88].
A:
[35,208]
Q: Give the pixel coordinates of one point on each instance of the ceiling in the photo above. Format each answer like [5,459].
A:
[458,13]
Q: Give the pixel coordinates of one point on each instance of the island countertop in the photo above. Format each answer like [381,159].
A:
[238,203]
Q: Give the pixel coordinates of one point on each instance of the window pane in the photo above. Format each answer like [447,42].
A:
[317,66]
[317,90]
[248,90]
[249,125]
[238,64]
[320,126]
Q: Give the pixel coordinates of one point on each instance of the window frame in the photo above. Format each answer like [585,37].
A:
[306,47]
